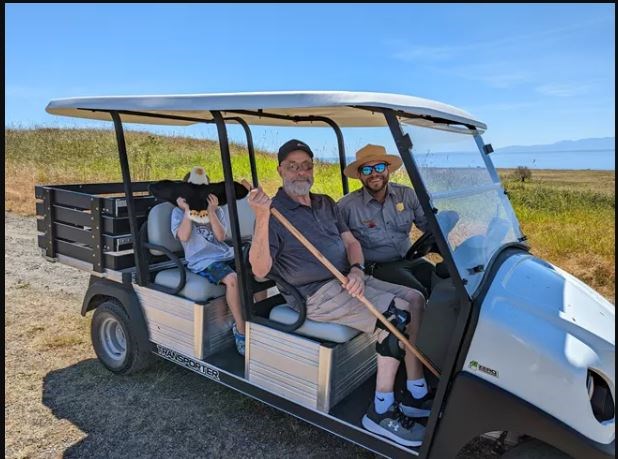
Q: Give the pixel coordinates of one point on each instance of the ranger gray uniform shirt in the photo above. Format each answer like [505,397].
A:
[383,229]
[322,225]
[202,249]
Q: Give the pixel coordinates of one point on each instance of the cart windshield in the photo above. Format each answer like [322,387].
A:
[474,214]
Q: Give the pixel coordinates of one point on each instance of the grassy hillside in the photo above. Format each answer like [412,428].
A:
[46,156]
[568,216]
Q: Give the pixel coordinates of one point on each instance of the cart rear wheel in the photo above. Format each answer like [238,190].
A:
[114,339]
[534,449]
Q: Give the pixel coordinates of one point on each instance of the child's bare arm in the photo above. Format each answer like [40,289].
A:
[184,230]
[217,227]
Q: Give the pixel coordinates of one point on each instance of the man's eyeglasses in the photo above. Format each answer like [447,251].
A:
[379,168]
[295,167]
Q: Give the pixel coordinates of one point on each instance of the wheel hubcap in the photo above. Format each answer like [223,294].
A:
[113,339]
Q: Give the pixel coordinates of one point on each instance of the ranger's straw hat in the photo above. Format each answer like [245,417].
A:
[372,153]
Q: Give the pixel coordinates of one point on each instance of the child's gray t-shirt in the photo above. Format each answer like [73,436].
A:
[202,249]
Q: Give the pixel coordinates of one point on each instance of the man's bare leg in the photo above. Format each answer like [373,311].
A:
[415,304]
[386,371]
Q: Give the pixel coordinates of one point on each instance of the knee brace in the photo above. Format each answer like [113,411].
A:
[389,347]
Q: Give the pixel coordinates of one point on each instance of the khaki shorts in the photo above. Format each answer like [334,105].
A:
[333,303]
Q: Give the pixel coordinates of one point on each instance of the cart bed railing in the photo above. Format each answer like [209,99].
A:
[90,223]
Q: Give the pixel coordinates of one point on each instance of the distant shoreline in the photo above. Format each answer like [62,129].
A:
[592,150]
[576,160]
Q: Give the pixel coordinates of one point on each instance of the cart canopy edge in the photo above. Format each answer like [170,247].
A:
[339,106]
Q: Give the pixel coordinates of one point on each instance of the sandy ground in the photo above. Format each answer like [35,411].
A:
[60,402]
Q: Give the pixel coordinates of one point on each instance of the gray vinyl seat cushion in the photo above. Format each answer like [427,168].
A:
[197,288]
[325,331]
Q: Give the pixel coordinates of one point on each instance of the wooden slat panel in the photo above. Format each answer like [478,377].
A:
[72,216]
[73,234]
[71,199]
[73,250]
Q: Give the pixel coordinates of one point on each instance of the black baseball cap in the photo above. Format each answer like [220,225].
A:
[290,146]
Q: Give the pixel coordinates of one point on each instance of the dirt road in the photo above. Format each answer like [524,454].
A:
[61,402]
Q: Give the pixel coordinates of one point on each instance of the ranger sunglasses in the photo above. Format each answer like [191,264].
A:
[379,168]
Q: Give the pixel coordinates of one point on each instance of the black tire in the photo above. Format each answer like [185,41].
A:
[534,449]
[114,340]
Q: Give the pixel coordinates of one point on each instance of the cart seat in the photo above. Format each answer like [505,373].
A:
[197,288]
[323,331]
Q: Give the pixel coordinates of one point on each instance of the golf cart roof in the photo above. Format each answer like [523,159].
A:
[339,106]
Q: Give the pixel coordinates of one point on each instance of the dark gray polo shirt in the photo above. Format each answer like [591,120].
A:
[322,225]
[383,229]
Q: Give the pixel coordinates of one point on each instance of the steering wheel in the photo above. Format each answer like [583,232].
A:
[422,246]
[427,243]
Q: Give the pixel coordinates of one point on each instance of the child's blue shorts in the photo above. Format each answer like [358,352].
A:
[216,271]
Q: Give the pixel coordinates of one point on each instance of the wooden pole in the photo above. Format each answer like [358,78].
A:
[343,279]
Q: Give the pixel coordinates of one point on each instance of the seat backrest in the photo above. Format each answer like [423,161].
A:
[160,228]
[246,219]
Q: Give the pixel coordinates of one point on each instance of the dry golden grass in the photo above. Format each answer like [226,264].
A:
[19,185]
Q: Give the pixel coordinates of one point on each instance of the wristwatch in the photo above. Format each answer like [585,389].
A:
[359,266]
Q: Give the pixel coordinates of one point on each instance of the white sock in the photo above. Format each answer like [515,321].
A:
[383,400]
[417,387]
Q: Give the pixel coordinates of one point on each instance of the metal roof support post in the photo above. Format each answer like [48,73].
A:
[341,149]
[126,178]
[241,270]
[250,149]
[404,145]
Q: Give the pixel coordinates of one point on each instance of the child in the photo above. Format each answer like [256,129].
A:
[206,253]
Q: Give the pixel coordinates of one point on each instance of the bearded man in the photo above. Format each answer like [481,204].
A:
[380,215]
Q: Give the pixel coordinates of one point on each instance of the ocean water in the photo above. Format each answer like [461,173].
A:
[595,160]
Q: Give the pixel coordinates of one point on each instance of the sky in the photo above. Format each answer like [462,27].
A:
[534,73]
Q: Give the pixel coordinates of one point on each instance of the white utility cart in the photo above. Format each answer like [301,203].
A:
[525,350]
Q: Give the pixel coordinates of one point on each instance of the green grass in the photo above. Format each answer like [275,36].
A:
[571,225]
[568,216]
